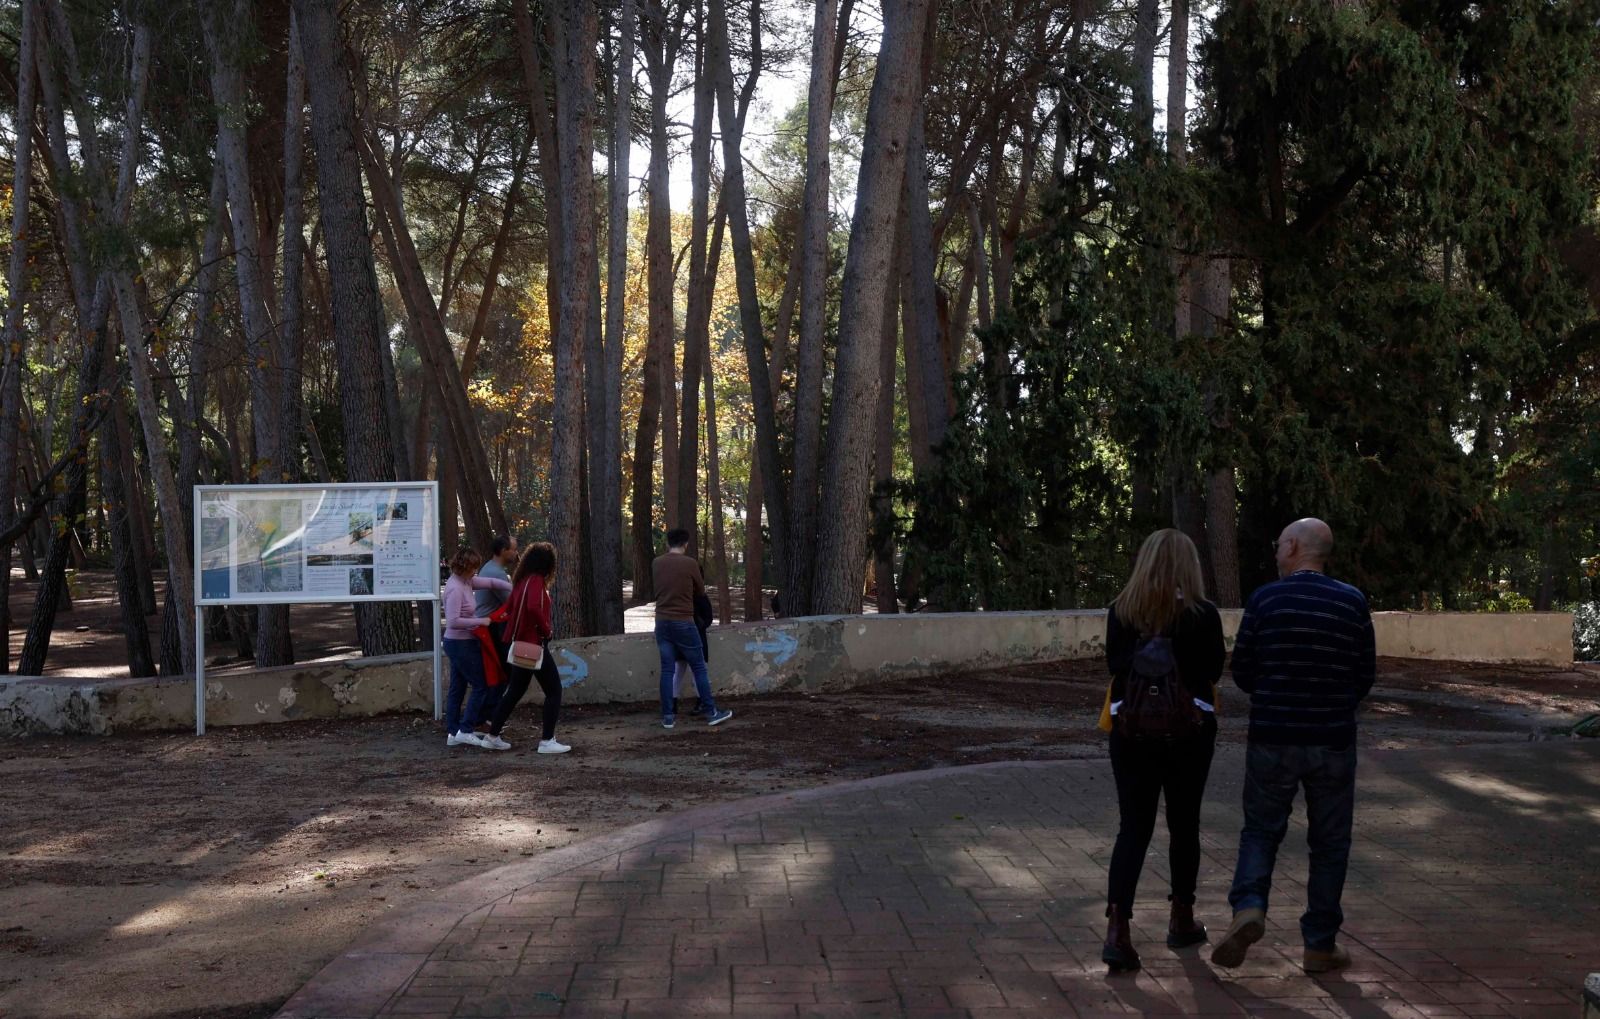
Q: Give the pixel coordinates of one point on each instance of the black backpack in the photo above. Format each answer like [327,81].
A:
[1156,705]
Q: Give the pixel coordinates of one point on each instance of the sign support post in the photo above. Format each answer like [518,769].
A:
[199,671]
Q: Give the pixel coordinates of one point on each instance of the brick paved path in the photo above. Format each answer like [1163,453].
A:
[1474,890]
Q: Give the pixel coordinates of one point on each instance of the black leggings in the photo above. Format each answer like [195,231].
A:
[1144,771]
[549,681]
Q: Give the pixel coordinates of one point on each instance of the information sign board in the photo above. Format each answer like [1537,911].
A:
[288,544]
[275,544]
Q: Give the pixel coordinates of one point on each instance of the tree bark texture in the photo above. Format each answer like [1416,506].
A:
[607,549]
[731,115]
[883,448]
[13,343]
[697,318]
[655,407]
[797,584]
[754,546]
[575,77]
[124,543]
[355,302]
[481,505]
[1210,314]
[847,479]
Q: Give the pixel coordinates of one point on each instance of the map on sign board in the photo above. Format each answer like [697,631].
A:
[316,543]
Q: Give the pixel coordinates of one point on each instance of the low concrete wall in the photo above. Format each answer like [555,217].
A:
[816,654]
[344,689]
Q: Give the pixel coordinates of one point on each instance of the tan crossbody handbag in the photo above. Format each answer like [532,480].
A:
[526,654]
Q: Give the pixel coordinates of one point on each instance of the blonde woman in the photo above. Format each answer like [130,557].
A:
[1164,649]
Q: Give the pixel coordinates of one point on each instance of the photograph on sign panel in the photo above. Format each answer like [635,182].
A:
[351,559]
[269,546]
[215,543]
[361,530]
[394,511]
[361,580]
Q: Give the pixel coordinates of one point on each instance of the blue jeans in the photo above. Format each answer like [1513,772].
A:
[679,639]
[466,679]
[1272,775]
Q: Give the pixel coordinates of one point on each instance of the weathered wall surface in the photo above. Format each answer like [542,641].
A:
[816,654]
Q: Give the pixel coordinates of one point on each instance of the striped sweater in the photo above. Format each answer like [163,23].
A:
[1305,654]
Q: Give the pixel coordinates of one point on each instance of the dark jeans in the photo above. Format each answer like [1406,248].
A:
[679,639]
[1145,771]
[466,680]
[1272,774]
[549,677]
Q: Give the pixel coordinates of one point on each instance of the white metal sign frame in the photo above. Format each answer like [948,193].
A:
[202,602]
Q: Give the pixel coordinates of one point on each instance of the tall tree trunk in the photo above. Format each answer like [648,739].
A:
[846,473]
[697,319]
[731,116]
[549,159]
[924,344]
[264,365]
[1147,17]
[140,527]
[192,418]
[594,399]
[90,406]
[13,343]
[575,75]
[480,501]
[355,302]
[754,600]
[657,406]
[291,312]
[714,499]
[124,541]
[883,444]
[1211,311]
[607,549]
[798,583]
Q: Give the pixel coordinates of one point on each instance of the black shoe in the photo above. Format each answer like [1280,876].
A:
[1118,952]
[1182,930]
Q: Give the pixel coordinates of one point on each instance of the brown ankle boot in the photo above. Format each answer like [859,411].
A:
[1118,952]
[1182,930]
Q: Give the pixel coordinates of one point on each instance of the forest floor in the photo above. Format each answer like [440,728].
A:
[170,875]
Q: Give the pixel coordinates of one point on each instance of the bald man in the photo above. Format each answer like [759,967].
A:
[1305,654]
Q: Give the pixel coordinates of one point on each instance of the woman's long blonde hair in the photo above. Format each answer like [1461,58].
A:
[1166,580]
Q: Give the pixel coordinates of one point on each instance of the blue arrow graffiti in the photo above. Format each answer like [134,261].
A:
[574,671]
[781,645]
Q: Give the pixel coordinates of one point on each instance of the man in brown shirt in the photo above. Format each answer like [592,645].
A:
[677,581]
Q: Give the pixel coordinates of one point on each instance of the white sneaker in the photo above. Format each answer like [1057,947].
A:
[456,739]
[494,742]
[550,746]
[469,739]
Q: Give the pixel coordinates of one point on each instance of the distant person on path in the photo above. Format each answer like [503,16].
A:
[1306,656]
[501,560]
[528,619]
[1165,652]
[465,653]
[677,581]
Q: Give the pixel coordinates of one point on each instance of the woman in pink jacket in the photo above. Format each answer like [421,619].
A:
[466,658]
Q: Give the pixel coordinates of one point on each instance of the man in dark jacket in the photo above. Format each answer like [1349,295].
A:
[1306,656]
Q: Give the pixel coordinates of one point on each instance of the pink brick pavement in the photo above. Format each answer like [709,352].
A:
[973,892]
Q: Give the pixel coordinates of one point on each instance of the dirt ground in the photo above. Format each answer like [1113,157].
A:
[167,876]
[87,641]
